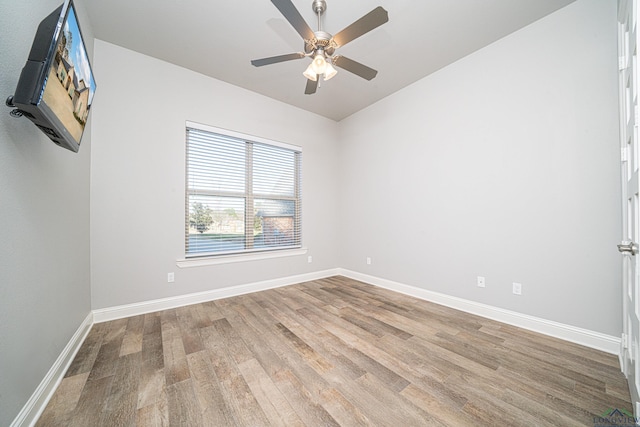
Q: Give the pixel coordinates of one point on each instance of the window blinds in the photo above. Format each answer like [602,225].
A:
[242,195]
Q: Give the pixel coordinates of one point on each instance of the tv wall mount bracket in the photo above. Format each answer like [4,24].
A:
[16,112]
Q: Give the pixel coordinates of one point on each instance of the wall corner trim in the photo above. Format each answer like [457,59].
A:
[588,338]
[34,407]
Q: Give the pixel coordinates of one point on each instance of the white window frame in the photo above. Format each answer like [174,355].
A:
[211,258]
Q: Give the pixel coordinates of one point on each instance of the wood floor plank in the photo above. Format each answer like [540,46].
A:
[315,360]
[491,358]
[364,359]
[188,324]
[552,345]
[233,341]
[396,406]
[155,415]
[330,352]
[371,324]
[305,401]
[440,409]
[151,387]
[175,356]
[273,402]
[88,352]
[202,316]
[322,341]
[415,362]
[132,340]
[351,394]
[580,365]
[106,359]
[210,312]
[207,386]
[484,401]
[63,401]
[90,404]
[539,411]
[152,382]
[272,354]
[345,412]
[152,351]
[120,408]
[346,357]
[183,404]
[226,351]
[152,324]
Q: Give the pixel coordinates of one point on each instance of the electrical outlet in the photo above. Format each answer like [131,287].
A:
[368,260]
[517,288]
[480,282]
[171,277]
[309,259]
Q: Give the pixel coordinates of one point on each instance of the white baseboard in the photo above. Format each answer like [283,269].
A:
[588,338]
[128,310]
[596,340]
[34,407]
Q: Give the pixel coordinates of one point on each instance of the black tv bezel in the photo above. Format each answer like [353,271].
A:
[31,86]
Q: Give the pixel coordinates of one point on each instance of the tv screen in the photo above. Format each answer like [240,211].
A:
[56,87]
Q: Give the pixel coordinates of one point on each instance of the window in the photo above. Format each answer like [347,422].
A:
[243,193]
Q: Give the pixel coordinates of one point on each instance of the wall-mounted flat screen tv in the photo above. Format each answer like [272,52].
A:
[56,87]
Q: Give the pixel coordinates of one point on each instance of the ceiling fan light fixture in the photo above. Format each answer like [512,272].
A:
[329,72]
[310,73]
[319,63]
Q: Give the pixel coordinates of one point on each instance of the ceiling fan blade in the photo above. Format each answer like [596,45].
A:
[311,87]
[276,59]
[296,20]
[354,67]
[368,22]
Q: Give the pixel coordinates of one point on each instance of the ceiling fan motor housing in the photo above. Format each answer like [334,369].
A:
[321,40]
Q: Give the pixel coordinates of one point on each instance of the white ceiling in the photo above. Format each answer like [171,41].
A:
[219,38]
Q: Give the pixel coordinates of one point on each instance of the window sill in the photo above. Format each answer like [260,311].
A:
[228,259]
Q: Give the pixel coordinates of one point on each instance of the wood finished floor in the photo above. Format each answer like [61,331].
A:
[330,352]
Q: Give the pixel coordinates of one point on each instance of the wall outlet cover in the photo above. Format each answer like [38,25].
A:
[517,288]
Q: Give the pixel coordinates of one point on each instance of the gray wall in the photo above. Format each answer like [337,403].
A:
[503,165]
[138,178]
[44,223]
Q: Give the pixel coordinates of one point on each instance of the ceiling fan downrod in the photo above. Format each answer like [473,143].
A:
[319,6]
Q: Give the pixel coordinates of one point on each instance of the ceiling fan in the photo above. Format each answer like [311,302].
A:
[321,46]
